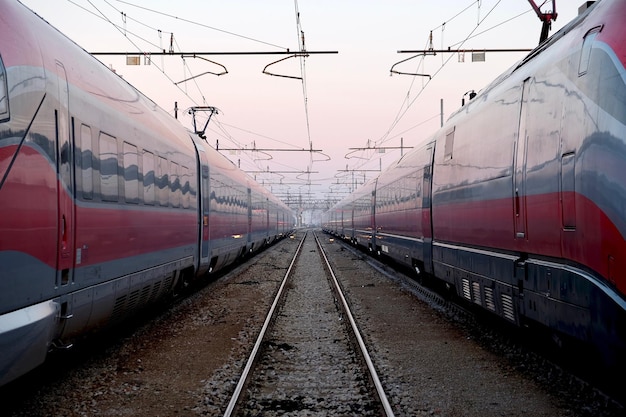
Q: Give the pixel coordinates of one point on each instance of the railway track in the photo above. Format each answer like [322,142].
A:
[309,355]
[540,361]
[189,359]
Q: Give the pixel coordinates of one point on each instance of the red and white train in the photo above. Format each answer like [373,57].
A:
[518,203]
[106,202]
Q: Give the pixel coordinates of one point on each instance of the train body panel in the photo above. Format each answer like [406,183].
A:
[402,210]
[237,212]
[528,192]
[358,221]
[539,193]
[228,214]
[338,220]
[107,203]
[259,218]
[344,220]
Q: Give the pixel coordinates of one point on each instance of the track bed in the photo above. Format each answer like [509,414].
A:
[308,362]
[187,360]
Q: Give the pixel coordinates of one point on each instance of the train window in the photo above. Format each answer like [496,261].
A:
[568,190]
[109,187]
[131,174]
[4,93]
[185,186]
[148,178]
[449,145]
[585,53]
[175,184]
[162,182]
[86,162]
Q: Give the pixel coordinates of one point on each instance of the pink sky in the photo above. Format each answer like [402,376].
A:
[350,96]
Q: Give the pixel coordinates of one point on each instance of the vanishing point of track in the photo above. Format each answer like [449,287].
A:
[304,356]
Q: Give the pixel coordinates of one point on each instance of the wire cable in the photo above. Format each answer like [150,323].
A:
[117,27]
[160,32]
[302,47]
[201,24]
[491,28]
[134,20]
[122,30]
[409,103]
[407,100]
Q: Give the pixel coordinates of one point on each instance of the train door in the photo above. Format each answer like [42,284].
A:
[427,227]
[268,230]
[65,189]
[374,231]
[249,202]
[427,219]
[340,223]
[204,206]
[352,228]
[519,168]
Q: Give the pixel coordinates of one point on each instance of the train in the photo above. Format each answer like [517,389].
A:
[517,204]
[107,203]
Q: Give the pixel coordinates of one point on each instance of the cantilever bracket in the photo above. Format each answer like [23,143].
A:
[392,71]
[194,110]
[225,71]
[280,60]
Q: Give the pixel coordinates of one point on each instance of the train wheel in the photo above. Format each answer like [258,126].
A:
[183,283]
[449,291]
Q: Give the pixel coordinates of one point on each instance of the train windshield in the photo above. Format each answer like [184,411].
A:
[4,93]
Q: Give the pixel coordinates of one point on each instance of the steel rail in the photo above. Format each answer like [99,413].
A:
[246,371]
[357,334]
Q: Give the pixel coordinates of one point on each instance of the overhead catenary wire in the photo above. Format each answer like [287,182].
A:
[408,101]
[117,27]
[124,27]
[103,16]
[200,24]
[263,136]
[124,32]
[139,22]
[173,41]
[488,29]
[302,48]
[248,151]
[450,57]
[456,15]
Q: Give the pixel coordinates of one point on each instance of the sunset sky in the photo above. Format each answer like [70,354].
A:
[345,100]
